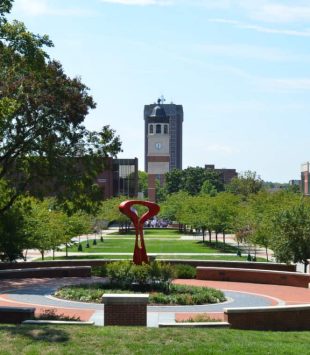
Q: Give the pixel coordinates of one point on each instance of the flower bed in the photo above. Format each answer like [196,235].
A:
[175,295]
[154,278]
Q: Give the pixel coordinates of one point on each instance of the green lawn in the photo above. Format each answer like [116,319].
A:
[159,257]
[154,246]
[37,340]
[151,233]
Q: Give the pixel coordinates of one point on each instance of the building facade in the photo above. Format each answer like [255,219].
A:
[119,178]
[226,175]
[163,130]
[305,179]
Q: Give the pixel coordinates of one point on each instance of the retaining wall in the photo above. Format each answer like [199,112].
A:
[48,272]
[195,263]
[253,276]
[15,315]
[269,318]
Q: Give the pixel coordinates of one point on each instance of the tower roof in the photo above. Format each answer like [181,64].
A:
[158,111]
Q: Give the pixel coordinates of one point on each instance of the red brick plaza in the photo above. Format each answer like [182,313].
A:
[277,294]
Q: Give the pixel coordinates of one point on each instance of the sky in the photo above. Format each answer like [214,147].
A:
[240,68]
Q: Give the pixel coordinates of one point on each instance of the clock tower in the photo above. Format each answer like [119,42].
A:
[163,142]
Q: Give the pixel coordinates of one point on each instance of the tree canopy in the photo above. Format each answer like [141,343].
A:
[245,184]
[192,180]
[42,111]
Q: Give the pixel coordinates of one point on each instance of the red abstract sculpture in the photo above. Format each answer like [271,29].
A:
[139,255]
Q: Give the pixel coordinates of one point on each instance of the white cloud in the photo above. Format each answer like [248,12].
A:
[140,2]
[262,10]
[266,10]
[287,85]
[246,51]
[241,25]
[44,8]
[282,13]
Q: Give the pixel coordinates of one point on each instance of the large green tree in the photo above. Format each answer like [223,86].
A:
[45,147]
[245,184]
[291,241]
[192,180]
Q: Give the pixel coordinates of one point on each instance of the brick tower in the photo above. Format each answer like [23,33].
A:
[163,141]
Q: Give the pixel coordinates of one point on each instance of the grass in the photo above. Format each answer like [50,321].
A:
[150,233]
[159,257]
[155,246]
[37,340]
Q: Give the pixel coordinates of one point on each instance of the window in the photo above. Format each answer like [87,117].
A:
[151,129]
[165,129]
[158,128]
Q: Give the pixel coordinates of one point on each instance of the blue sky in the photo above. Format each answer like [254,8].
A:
[240,68]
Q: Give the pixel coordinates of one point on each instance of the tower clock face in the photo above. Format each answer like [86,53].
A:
[158,146]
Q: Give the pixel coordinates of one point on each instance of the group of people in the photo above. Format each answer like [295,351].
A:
[156,223]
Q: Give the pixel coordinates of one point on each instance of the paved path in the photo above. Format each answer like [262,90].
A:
[37,293]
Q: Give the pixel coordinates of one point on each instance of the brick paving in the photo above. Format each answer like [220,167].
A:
[285,295]
[274,293]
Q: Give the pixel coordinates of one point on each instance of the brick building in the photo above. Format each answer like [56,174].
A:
[163,125]
[120,177]
[226,175]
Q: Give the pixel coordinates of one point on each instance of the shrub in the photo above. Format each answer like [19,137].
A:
[118,272]
[200,317]
[167,272]
[51,314]
[184,271]
[177,294]
[140,274]
[126,273]
[99,270]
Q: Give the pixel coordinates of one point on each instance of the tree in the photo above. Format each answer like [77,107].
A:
[171,207]
[109,211]
[245,184]
[42,111]
[77,224]
[196,211]
[292,234]
[191,180]
[46,228]
[208,188]
[173,181]
[143,182]
[13,235]
[224,212]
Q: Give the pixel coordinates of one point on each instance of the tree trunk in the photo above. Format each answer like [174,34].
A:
[224,237]
[267,253]
[25,257]
[306,263]
[42,254]
[210,235]
[53,253]
[216,240]
[203,235]
[66,250]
